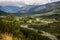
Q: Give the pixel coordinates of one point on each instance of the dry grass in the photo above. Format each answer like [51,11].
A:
[7,37]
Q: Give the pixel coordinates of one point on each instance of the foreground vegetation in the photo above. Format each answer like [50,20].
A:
[11,28]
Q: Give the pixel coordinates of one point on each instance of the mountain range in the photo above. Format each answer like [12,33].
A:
[29,9]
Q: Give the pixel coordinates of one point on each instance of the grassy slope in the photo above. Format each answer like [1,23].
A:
[47,13]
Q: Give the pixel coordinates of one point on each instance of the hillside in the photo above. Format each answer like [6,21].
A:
[2,12]
[52,14]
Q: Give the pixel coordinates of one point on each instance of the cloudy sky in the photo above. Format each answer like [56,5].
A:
[29,1]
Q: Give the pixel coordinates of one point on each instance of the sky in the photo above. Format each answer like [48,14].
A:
[29,1]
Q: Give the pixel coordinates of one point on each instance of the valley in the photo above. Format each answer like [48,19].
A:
[30,22]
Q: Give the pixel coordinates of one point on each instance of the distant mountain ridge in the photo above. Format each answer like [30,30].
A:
[30,9]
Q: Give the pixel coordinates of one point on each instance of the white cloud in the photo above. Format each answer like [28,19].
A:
[30,1]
